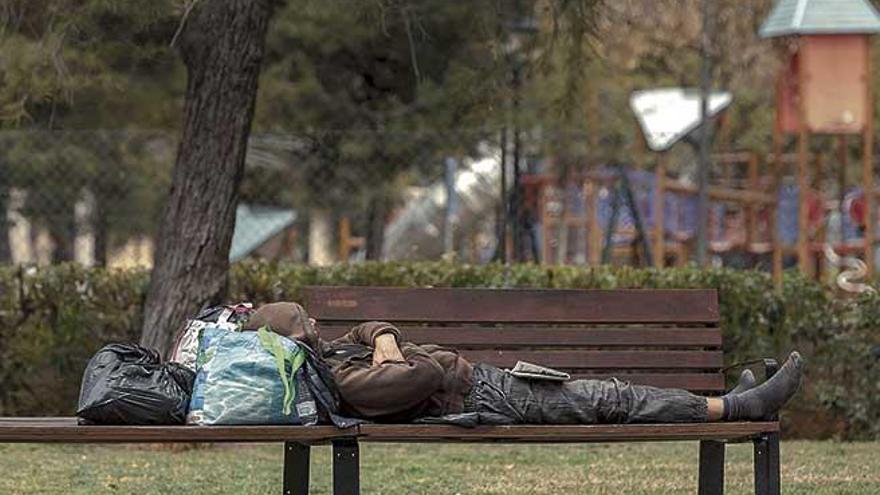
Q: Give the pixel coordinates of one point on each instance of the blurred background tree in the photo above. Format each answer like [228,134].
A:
[357,99]
[77,79]
[374,92]
[424,78]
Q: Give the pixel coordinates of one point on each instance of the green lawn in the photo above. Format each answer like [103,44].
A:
[808,468]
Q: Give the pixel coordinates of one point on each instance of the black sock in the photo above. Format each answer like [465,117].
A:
[766,399]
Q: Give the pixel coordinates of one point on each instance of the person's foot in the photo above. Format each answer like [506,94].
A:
[747,381]
[766,399]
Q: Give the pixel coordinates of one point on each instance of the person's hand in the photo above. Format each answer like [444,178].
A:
[386,350]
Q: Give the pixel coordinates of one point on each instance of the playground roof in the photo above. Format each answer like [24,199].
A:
[254,225]
[790,17]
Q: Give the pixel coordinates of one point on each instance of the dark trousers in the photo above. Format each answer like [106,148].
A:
[508,399]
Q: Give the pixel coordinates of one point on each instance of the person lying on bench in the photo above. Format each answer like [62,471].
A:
[383,378]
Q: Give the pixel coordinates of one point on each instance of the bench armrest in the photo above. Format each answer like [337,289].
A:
[771,366]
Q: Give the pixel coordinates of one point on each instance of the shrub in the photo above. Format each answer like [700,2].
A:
[53,319]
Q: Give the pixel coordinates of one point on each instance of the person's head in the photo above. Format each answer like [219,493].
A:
[285,318]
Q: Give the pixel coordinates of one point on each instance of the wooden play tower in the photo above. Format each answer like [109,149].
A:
[824,87]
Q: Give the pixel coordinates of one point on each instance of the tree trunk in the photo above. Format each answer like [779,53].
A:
[99,227]
[376,213]
[5,244]
[320,237]
[62,230]
[222,45]
[5,247]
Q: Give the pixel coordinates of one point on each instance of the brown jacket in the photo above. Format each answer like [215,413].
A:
[432,382]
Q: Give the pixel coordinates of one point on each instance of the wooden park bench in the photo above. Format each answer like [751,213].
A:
[665,338]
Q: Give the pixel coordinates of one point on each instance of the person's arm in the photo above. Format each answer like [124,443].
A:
[366,333]
[385,350]
[392,384]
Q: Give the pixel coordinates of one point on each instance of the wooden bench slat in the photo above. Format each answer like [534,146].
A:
[574,359]
[566,433]
[507,336]
[512,305]
[66,430]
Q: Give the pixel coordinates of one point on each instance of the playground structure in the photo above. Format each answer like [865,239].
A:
[661,211]
[766,210]
[753,215]
[824,87]
[576,221]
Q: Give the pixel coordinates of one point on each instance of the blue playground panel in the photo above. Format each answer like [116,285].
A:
[680,210]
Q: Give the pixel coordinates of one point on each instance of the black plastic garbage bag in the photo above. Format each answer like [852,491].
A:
[128,384]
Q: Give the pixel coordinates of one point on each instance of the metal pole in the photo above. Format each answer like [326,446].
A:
[505,206]
[803,237]
[705,136]
[516,194]
[450,166]
[775,241]
[659,203]
[868,164]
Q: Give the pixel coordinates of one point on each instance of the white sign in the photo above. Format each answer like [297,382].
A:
[668,114]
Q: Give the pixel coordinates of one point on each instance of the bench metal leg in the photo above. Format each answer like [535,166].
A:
[346,467]
[296,468]
[767,479]
[711,468]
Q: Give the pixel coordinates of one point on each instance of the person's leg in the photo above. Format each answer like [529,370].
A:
[715,405]
[714,409]
[599,402]
[615,401]
[585,401]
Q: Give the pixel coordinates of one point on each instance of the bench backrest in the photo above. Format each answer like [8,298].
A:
[665,338]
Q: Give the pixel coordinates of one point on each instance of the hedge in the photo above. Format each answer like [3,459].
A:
[53,319]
